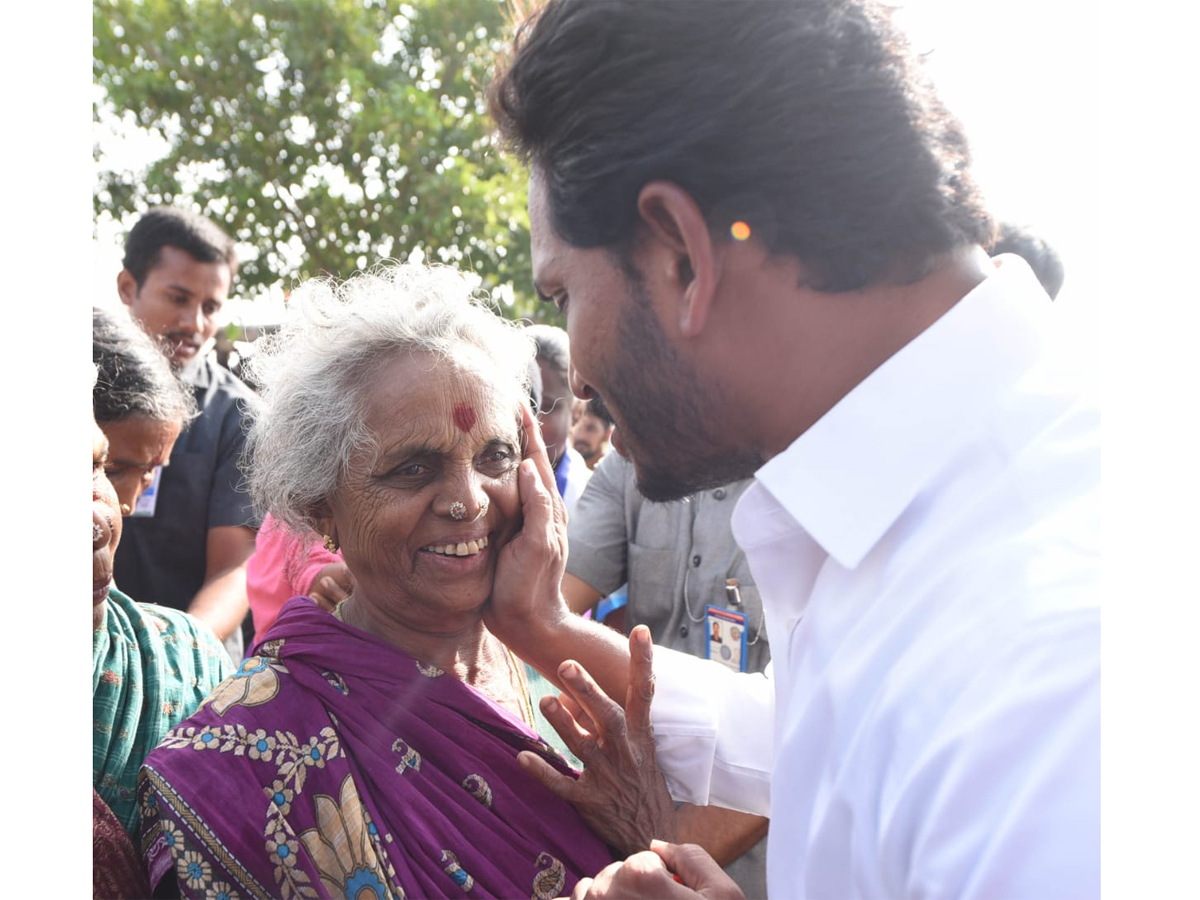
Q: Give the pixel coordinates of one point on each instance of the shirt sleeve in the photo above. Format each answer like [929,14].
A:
[714,732]
[597,536]
[229,501]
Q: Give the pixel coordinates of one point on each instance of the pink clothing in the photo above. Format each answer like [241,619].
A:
[283,565]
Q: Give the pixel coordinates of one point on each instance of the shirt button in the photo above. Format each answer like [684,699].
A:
[683,630]
[696,560]
[719,493]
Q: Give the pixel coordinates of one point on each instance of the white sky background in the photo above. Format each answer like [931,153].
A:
[1018,75]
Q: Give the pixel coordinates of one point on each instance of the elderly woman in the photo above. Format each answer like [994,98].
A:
[151,667]
[374,752]
[138,402]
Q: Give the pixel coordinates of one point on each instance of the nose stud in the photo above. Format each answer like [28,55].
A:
[458,510]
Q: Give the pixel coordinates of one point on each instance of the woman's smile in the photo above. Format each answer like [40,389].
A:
[471,547]
[437,485]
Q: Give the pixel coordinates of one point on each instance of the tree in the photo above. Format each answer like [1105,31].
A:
[327,134]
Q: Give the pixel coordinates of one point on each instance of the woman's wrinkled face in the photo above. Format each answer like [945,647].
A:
[136,446]
[422,517]
[106,522]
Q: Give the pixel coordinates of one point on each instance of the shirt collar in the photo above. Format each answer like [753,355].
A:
[849,477]
[198,373]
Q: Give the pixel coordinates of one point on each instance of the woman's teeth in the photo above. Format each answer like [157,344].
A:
[470,548]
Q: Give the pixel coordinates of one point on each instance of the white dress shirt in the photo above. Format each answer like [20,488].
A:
[928,558]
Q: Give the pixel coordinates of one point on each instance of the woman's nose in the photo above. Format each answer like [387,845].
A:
[465,500]
[101,530]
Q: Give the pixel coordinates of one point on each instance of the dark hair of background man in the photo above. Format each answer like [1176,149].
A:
[169,226]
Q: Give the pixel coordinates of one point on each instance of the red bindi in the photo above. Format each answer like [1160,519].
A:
[464,417]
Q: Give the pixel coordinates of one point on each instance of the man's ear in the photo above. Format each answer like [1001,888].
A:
[126,286]
[675,223]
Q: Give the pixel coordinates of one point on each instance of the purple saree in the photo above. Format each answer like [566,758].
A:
[334,765]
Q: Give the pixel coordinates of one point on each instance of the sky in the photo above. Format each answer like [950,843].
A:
[1017,80]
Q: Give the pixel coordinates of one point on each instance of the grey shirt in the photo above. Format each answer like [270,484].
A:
[676,558]
[163,558]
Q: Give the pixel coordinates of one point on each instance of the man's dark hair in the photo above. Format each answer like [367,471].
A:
[595,407]
[809,120]
[133,376]
[169,226]
[1047,265]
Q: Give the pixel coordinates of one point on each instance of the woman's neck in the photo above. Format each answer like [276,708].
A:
[472,654]
[466,651]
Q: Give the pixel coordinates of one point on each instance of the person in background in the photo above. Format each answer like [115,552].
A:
[188,548]
[761,227]
[571,473]
[139,403]
[689,582]
[286,565]
[151,666]
[591,434]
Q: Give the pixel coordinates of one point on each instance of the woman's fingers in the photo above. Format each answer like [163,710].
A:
[577,712]
[641,684]
[608,719]
[577,736]
[558,783]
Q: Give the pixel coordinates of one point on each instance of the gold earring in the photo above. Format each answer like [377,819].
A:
[330,544]
[126,509]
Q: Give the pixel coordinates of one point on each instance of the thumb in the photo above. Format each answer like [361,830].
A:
[691,865]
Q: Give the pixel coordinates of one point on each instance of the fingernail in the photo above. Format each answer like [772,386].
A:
[570,670]
[549,706]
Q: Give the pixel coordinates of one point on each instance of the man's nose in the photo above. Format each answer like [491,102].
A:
[192,319]
[579,387]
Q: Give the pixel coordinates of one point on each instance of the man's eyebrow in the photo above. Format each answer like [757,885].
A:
[179,288]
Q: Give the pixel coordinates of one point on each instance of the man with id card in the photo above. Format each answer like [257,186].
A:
[690,584]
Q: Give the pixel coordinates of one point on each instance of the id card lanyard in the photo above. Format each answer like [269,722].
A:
[725,626]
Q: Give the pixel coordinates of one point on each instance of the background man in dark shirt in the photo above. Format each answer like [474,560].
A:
[188,547]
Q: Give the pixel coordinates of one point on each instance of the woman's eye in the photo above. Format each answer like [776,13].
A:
[497,457]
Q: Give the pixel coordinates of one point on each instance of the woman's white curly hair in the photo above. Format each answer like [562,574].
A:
[318,370]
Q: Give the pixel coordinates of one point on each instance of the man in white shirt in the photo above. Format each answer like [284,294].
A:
[760,225]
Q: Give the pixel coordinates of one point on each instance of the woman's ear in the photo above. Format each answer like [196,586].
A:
[682,250]
[321,515]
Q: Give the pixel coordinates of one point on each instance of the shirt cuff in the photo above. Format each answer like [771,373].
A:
[713,732]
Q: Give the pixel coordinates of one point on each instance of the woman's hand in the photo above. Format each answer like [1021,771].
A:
[331,585]
[621,793]
[527,591]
